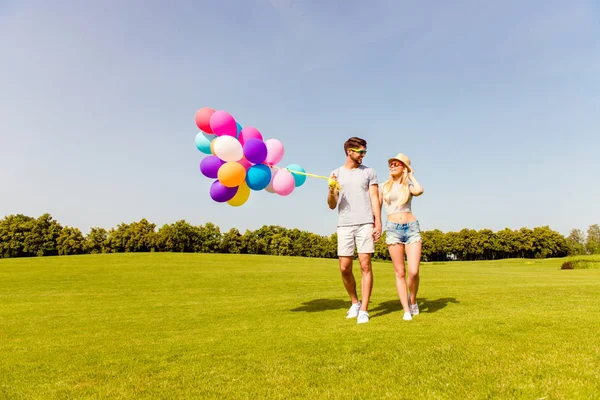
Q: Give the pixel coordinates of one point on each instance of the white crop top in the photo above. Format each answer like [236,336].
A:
[392,207]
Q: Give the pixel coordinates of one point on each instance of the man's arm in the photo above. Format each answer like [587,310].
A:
[332,196]
[376,207]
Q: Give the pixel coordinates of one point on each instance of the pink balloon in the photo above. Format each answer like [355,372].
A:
[247,164]
[222,123]
[284,182]
[274,151]
[269,187]
[249,132]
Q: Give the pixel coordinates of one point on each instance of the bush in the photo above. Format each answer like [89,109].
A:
[581,264]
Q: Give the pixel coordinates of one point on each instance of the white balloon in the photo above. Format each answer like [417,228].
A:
[228,148]
[269,187]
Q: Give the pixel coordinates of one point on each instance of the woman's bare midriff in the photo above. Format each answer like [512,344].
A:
[402,218]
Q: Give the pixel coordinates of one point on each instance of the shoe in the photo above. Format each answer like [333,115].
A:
[353,311]
[414,309]
[407,316]
[363,317]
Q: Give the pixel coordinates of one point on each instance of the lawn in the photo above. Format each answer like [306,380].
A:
[216,326]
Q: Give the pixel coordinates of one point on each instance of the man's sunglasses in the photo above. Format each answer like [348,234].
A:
[363,152]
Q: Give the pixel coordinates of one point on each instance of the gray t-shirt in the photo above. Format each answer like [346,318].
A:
[354,201]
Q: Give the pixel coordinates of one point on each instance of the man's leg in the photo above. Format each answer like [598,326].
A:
[366,280]
[346,255]
[366,247]
[348,278]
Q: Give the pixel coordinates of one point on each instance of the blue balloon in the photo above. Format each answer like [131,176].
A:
[298,178]
[203,142]
[239,129]
[258,177]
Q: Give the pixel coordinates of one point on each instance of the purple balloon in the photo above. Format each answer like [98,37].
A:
[220,193]
[255,150]
[209,166]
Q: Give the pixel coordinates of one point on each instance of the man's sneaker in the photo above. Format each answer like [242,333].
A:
[363,317]
[414,309]
[353,311]
[407,316]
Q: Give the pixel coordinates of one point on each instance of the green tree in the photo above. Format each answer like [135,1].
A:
[180,237]
[210,238]
[280,245]
[576,242]
[70,241]
[14,229]
[232,242]
[592,243]
[41,239]
[96,241]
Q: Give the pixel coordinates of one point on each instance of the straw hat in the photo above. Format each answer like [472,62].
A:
[402,158]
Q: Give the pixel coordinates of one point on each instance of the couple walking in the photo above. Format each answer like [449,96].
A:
[359,205]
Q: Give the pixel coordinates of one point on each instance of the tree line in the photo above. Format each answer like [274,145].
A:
[24,236]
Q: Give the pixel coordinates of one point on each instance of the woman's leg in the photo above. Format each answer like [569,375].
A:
[413,256]
[397,255]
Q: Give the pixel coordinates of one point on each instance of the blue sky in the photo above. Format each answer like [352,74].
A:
[496,103]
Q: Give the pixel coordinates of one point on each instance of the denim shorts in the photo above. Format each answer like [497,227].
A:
[402,233]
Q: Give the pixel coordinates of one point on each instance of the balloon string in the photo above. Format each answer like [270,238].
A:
[329,180]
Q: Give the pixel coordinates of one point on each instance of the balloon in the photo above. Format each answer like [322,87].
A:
[283,182]
[274,151]
[220,193]
[227,148]
[222,123]
[269,187]
[203,119]
[255,150]
[258,177]
[247,164]
[242,195]
[209,166]
[298,178]
[249,133]
[238,130]
[231,174]
[203,142]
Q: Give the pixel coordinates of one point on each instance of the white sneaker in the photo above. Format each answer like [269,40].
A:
[353,311]
[414,309]
[363,317]
[407,316]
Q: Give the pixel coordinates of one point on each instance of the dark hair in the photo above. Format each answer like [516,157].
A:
[354,142]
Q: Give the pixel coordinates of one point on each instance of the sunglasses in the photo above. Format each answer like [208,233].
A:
[363,152]
[396,164]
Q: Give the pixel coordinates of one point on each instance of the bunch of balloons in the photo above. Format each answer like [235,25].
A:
[240,161]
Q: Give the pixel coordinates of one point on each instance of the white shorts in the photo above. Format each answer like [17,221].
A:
[360,236]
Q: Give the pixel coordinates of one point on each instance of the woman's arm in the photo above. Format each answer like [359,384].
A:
[415,189]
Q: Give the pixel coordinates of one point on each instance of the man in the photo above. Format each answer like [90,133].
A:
[359,222]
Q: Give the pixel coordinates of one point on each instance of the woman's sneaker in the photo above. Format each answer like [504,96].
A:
[363,317]
[353,311]
[407,316]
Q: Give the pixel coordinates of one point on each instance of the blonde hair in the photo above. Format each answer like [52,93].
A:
[404,191]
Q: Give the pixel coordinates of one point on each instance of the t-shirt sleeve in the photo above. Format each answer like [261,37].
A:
[372,177]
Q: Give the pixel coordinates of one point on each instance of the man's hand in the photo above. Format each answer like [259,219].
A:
[377,232]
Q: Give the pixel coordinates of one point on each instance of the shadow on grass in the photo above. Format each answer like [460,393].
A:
[322,305]
[425,306]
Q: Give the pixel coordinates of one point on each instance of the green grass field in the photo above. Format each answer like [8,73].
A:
[256,327]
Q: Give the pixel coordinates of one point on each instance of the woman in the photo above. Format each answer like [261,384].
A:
[402,229]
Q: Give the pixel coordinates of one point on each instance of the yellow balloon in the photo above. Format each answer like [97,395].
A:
[231,174]
[241,196]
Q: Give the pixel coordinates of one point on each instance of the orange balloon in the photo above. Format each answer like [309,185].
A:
[231,174]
